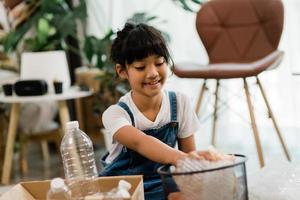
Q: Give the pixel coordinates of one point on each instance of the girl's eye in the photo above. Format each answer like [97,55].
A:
[160,63]
[140,68]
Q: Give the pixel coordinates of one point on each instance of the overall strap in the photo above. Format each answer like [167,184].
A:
[127,109]
[173,105]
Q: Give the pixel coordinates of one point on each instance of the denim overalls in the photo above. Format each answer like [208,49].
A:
[129,162]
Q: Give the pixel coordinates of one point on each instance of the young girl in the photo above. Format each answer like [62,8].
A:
[148,121]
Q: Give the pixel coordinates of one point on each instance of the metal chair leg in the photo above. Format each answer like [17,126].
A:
[273,120]
[253,123]
[213,136]
[202,90]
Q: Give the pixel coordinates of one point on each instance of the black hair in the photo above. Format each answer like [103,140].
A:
[137,41]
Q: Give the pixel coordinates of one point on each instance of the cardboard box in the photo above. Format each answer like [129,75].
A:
[37,190]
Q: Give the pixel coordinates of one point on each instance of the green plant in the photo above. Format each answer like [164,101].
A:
[96,51]
[189,5]
[50,24]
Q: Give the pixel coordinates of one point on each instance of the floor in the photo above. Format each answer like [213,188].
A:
[234,134]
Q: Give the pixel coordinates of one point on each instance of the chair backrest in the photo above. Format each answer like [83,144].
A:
[48,65]
[240,30]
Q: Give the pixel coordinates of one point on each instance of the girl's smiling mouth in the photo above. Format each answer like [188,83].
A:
[152,83]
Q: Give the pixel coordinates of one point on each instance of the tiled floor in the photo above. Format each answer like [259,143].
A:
[234,133]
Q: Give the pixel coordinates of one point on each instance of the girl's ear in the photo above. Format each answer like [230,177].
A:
[121,71]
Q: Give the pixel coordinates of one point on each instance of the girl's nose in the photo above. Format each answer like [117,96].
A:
[152,71]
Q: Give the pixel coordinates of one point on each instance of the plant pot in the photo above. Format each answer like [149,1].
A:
[58,87]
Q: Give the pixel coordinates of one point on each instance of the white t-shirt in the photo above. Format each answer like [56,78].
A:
[115,117]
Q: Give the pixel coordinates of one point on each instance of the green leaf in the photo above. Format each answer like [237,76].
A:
[185,5]
[88,48]
[14,37]
[188,4]
[43,26]
[198,1]
[31,43]
[151,18]
[52,31]
[55,7]
[48,16]
[97,50]
[53,21]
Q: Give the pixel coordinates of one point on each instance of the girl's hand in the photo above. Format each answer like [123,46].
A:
[175,196]
[203,155]
[211,154]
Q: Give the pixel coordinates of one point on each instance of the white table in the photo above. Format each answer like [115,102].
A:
[15,101]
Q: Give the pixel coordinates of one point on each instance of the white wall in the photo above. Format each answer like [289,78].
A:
[179,23]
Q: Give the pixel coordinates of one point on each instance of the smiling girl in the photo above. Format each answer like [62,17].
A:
[148,121]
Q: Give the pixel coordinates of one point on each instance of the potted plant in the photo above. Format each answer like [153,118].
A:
[43,25]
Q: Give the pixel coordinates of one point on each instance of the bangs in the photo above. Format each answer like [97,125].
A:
[141,44]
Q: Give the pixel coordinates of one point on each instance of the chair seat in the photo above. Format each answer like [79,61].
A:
[228,70]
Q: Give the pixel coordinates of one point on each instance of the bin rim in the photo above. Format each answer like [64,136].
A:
[242,161]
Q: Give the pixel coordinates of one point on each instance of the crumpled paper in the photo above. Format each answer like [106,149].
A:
[225,184]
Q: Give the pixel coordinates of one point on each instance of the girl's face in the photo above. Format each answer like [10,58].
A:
[147,76]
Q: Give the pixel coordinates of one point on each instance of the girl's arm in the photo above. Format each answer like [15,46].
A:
[148,146]
[187,144]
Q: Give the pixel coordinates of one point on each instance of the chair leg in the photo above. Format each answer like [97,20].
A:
[2,128]
[23,156]
[45,151]
[213,136]
[202,90]
[273,120]
[57,146]
[254,127]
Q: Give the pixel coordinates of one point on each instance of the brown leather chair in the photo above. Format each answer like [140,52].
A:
[241,38]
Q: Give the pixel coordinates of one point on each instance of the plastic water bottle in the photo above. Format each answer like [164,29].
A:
[79,162]
[58,190]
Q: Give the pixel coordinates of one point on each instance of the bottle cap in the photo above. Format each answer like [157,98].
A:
[124,184]
[57,183]
[72,124]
